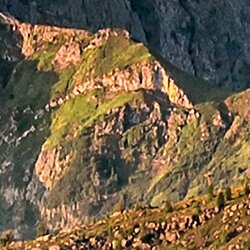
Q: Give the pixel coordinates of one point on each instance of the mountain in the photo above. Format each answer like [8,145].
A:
[209,39]
[92,119]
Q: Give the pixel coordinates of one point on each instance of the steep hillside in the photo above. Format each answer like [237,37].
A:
[209,39]
[88,120]
[194,224]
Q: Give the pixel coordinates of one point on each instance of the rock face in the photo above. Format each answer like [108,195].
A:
[89,121]
[207,39]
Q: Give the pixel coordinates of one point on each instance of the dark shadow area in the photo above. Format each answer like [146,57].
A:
[138,17]
[196,89]
[64,14]
[10,53]
[149,19]
[22,133]
[6,69]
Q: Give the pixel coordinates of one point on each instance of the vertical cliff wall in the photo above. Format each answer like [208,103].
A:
[208,39]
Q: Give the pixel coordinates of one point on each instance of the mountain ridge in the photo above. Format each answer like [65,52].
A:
[89,119]
[191,35]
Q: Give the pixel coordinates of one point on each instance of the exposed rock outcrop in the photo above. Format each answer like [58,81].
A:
[138,229]
[91,120]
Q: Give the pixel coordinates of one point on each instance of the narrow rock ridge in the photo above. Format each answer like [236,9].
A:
[217,50]
[145,75]
[37,37]
[34,36]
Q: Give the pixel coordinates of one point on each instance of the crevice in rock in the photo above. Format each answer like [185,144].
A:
[149,20]
[192,24]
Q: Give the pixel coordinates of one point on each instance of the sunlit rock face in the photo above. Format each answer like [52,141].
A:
[89,117]
[208,39]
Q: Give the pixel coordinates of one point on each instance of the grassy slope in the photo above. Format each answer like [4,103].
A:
[115,53]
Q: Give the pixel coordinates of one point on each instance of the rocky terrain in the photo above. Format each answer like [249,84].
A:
[91,119]
[207,38]
[194,224]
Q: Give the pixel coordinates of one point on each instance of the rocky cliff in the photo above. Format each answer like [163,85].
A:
[89,119]
[208,39]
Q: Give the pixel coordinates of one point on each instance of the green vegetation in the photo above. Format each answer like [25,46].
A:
[82,111]
[30,87]
[65,78]
[197,208]
[220,201]
[120,205]
[115,53]
[73,112]
[246,189]
[228,194]
[45,57]
[112,102]
[118,52]
[6,238]
[219,231]
[153,157]
[168,206]
[41,230]
[210,191]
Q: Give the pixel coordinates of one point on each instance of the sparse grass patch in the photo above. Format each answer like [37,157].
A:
[81,112]
[65,79]
[118,52]
[70,118]
[45,57]
[115,53]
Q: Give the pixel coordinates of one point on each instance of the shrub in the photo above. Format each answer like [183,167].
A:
[228,194]
[246,189]
[197,208]
[220,202]
[138,206]
[210,191]
[6,238]
[41,230]
[230,235]
[247,245]
[120,205]
[168,206]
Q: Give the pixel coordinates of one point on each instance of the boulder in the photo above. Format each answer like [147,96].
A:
[54,247]
[234,207]
[171,237]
